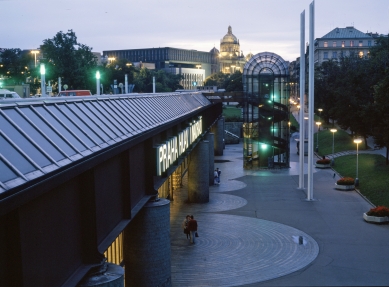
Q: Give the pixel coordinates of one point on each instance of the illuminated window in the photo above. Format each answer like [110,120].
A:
[343,44]
[360,44]
[360,54]
[351,43]
[325,44]
[333,43]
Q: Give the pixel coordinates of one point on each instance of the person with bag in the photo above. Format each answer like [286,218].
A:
[185,226]
[218,175]
[215,175]
[192,226]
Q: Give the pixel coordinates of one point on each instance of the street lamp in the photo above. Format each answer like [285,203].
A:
[320,110]
[35,52]
[357,141]
[111,59]
[43,83]
[98,83]
[333,131]
[318,129]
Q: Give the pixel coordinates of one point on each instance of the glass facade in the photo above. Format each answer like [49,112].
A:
[266,112]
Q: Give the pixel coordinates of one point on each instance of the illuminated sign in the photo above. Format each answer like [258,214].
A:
[168,152]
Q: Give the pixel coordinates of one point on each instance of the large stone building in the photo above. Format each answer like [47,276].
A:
[193,65]
[343,42]
[231,58]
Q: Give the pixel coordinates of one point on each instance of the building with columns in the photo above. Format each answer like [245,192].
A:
[231,58]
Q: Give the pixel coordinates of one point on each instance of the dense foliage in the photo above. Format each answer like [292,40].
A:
[229,82]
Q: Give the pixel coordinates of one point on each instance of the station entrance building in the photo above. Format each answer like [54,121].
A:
[86,183]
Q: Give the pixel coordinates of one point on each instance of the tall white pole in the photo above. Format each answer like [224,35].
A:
[59,84]
[302,102]
[311,99]
[153,85]
[98,83]
[126,83]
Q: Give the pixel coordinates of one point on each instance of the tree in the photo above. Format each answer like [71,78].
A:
[217,79]
[74,62]
[14,66]
[234,82]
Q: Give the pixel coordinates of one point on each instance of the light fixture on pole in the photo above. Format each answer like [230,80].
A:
[111,59]
[35,52]
[317,141]
[98,83]
[43,80]
[357,141]
[333,131]
[320,110]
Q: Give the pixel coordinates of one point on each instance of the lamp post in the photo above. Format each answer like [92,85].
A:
[35,52]
[98,83]
[357,141]
[43,83]
[111,59]
[333,131]
[320,110]
[317,141]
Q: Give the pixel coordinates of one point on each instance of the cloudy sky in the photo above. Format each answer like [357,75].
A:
[260,25]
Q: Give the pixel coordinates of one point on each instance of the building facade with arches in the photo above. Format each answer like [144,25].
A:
[266,111]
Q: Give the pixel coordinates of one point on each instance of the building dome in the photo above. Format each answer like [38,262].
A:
[214,51]
[229,37]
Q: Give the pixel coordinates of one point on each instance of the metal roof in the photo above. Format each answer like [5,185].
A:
[38,136]
[345,33]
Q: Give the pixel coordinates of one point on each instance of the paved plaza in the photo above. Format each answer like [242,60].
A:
[249,232]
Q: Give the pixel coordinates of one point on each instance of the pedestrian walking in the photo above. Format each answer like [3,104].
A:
[192,226]
[185,226]
[218,174]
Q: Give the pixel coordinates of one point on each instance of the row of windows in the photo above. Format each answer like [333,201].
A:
[350,43]
[341,54]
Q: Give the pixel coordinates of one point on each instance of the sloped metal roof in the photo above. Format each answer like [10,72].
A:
[345,33]
[38,136]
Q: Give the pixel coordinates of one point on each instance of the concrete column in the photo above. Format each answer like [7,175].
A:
[210,139]
[198,173]
[219,136]
[109,275]
[147,246]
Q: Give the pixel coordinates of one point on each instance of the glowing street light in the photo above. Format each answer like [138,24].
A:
[320,110]
[333,131]
[98,83]
[43,83]
[318,129]
[111,59]
[357,141]
[35,52]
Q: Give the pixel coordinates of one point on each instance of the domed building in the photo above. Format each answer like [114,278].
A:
[231,58]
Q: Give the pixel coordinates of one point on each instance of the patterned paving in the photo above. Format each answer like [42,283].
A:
[236,250]
[227,185]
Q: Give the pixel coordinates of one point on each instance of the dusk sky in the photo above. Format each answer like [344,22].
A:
[271,25]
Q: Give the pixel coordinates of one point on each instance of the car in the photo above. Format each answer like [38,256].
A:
[6,94]
[72,93]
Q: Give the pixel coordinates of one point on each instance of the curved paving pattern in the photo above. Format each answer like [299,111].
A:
[235,250]
[228,185]
[217,202]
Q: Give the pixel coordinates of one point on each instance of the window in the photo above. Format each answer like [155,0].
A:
[360,54]
[334,55]
[360,44]
[325,55]
[325,44]
[351,43]
[369,43]
[333,43]
[343,44]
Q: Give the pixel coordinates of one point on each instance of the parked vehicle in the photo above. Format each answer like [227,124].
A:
[6,94]
[72,93]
